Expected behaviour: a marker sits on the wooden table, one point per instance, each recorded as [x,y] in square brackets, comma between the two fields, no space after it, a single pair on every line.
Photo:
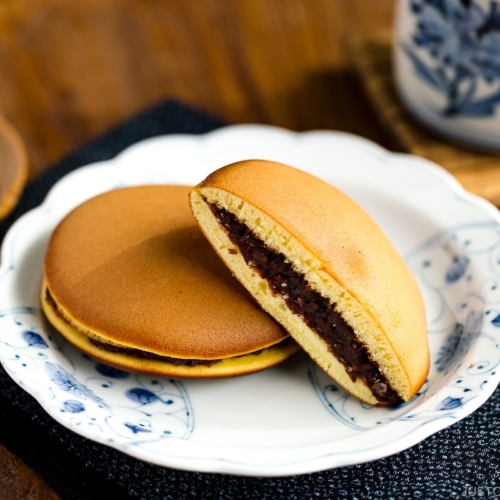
[70,70]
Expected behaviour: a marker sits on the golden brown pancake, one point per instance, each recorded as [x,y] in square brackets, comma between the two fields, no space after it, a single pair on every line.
[322,267]
[130,280]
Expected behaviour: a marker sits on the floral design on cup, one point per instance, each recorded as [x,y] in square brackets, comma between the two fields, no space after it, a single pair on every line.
[456,51]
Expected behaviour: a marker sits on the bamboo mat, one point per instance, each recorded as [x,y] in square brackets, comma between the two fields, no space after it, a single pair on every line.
[478,172]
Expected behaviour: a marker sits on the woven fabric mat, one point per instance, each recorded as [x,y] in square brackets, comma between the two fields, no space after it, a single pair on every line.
[442,467]
[478,172]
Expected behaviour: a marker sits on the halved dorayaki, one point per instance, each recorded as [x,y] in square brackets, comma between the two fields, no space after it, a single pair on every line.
[322,267]
[130,280]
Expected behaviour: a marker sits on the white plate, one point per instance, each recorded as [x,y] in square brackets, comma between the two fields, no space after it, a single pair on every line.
[292,418]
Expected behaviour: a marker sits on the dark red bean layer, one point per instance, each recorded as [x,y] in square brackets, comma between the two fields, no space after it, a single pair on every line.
[138,353]
[314,309]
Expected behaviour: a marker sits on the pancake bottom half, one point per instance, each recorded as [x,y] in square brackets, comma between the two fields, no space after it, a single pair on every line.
[130,280]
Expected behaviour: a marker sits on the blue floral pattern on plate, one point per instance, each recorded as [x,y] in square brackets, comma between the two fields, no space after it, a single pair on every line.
[446,266]
[456,50]
[292,418]
[156,406]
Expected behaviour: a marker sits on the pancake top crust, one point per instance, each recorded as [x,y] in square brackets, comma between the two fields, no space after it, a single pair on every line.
[132,267]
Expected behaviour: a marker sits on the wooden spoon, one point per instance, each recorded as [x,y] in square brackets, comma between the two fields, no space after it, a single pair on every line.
[13,167]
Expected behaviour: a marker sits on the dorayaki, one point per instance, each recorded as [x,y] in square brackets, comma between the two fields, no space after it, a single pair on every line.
[130,280]
[322,267]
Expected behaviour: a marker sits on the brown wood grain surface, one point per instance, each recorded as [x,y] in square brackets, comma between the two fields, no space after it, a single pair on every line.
[70,70]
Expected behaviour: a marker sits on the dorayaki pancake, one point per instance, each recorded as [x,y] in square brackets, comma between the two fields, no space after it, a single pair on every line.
[322,267]
[130,280]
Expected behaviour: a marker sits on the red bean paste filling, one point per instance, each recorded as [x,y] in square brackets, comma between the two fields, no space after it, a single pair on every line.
[138,353]
[314,309]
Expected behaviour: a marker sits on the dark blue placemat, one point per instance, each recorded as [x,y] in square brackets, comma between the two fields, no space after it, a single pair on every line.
[462,461]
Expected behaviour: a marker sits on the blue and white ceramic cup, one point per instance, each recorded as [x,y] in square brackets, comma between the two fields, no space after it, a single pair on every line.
[447,67]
